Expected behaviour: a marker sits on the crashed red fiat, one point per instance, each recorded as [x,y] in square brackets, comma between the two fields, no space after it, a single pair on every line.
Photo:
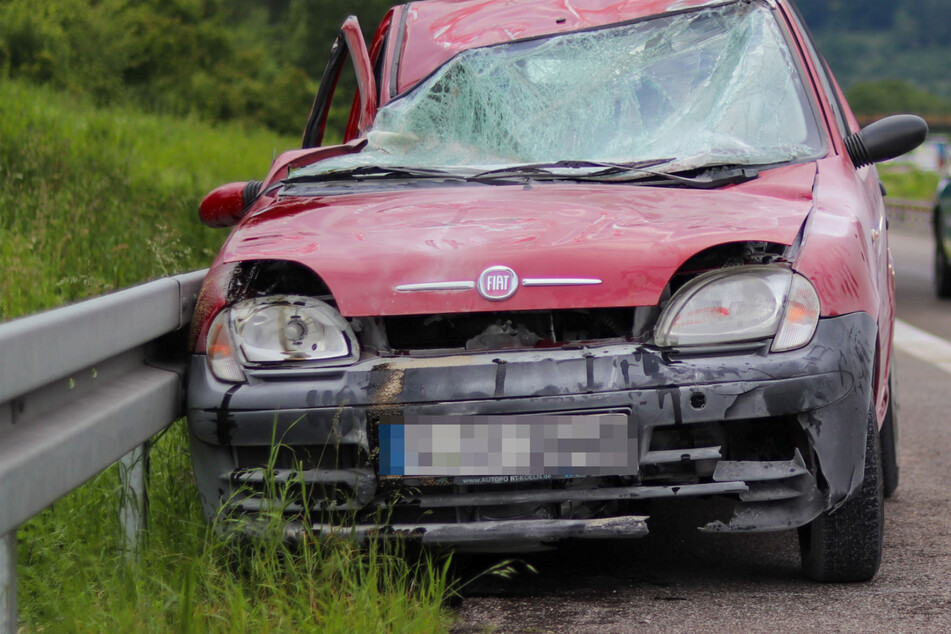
[573,260]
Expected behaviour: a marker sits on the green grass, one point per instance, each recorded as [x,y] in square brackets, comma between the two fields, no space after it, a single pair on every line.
[74,576]
[98,199]
[93,200]
[909,182]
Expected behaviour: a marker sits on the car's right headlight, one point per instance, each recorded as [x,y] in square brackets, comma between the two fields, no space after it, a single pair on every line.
[278,330]
[746,303]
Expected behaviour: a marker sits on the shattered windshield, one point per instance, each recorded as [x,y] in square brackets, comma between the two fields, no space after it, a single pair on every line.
[706,87]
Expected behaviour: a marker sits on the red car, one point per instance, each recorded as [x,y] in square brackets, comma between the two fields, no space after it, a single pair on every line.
[573,260]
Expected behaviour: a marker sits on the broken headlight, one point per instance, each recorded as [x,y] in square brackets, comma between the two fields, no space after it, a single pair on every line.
[741,304]
[276,330]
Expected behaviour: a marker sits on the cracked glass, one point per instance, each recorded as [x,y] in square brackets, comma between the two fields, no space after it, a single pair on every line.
[711,86]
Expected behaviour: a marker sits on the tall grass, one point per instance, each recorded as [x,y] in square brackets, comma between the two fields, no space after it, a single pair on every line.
[94,199]
[97,199]
[74,576]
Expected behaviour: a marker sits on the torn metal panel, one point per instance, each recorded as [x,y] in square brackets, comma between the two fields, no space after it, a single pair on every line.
[773,515]
[760,471]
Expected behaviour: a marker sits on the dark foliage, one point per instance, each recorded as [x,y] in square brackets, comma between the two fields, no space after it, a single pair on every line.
[871,41]
[246,60]
[916,23]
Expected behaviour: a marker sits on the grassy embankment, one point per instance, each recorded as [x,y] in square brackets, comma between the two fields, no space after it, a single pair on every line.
[906,182]
[98,199]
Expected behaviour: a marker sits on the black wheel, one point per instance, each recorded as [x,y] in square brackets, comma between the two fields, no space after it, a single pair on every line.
[942,270]
[942,267]
[889,441]
[846,545]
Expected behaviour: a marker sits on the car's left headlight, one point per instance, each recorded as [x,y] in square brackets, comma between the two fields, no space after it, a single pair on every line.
[746,303]
[278,329]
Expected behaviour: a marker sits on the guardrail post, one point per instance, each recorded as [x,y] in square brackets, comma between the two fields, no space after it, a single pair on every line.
[134,501]
[8,583]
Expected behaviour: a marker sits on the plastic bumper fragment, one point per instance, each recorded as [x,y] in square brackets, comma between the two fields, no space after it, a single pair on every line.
[508,531]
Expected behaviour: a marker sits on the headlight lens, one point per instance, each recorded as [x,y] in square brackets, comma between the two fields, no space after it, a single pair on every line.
[801,316]
[222,357]
[278,329]
[741,304]
[291,328]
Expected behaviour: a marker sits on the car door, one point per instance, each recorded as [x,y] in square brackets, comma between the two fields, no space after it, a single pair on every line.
[349,45]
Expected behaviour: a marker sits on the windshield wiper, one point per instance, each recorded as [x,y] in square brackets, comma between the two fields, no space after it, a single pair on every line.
[374,172]
[640,173]
[705,177]
[546,171]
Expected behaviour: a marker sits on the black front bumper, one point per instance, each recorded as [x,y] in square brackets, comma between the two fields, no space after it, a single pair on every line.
[781,435]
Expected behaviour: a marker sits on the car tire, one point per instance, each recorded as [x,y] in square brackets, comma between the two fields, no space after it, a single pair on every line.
[942,270]
[889,441]
[845,545]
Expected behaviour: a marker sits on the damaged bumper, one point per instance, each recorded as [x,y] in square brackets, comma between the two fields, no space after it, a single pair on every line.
[781,437]
[519,534]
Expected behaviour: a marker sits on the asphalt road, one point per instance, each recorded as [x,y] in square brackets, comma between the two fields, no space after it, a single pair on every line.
[678,580]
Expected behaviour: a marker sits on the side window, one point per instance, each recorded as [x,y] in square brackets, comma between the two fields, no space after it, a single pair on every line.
[357,90]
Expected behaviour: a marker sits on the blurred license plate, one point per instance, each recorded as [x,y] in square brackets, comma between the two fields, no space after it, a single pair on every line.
[517,445]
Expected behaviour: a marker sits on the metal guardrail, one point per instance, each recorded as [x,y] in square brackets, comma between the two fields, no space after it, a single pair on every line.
[910,215]
[902,206]
[82,387]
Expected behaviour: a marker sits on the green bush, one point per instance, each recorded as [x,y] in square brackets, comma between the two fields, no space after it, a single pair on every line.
[179,58]
[890,96]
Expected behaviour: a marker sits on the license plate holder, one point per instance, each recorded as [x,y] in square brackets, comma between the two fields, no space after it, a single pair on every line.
[508,447]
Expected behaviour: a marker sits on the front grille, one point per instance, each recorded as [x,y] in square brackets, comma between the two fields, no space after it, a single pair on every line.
[508,330]
[297,479]
[757,462]
[294,492]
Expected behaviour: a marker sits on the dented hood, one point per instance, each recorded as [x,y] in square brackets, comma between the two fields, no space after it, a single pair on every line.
[629,238]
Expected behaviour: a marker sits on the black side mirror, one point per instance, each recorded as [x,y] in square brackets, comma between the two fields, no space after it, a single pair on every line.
[886,139]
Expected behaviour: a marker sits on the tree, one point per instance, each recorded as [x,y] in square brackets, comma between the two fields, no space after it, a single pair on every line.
[892,96]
